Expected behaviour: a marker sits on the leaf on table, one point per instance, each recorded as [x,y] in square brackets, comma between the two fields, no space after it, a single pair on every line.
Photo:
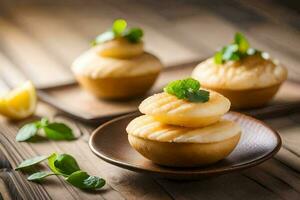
[82,180]
[27,132]
[39,176]
[58,131]
[31,162]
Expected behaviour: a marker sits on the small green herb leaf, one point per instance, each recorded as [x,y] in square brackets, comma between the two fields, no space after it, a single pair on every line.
[65,164]
[58,131]
[39,176]
[51,161]
[239,49]
[187,89]
[31,162]
[242,42]
[82,180]
[119,27]
[218,58]
[26,132]
[198,96]
[134,35]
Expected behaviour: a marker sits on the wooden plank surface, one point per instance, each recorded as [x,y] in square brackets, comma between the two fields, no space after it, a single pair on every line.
[39,40]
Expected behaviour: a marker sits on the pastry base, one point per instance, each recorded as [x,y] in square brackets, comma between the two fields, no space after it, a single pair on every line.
[250,98]
[183,154]
[118,87]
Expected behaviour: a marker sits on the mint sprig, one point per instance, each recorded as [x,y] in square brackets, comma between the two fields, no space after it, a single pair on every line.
[62,165]
[188,89]
[119,29]
[52,130]
[237,50]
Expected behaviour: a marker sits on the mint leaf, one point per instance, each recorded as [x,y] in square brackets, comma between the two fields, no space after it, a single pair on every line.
[133,35]
[198,96]
[218,58]
[51,160]
[187,89]
[175,89]
[31,162]
[239,49]
[65,164]
[82,180]
[27,132]
[242,42]
[39,176]
[229,51]
[58,131]
[119,27]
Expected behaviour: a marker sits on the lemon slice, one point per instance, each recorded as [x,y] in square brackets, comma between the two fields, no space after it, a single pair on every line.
[20,102]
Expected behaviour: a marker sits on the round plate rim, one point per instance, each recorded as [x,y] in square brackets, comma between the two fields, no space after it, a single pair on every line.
[182,172]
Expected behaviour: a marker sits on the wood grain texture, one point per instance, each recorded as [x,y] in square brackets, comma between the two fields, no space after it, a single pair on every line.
[39,39]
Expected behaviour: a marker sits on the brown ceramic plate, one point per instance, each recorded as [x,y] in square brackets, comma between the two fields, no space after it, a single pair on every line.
[258,143]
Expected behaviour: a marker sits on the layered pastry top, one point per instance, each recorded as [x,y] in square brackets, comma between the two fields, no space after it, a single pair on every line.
[238,67]
[118,52]
[184,104]
[147,127]
[167,104]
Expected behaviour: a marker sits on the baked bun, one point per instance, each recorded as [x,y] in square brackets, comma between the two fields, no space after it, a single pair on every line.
[168,109]
[117,66]
[247,79]
[182,147]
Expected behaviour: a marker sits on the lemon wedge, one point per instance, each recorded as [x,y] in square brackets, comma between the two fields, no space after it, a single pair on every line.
[20,102]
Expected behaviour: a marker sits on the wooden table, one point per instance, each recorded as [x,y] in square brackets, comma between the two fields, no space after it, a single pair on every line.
[39,40]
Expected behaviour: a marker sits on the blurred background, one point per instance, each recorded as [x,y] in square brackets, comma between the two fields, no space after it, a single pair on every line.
[39,39]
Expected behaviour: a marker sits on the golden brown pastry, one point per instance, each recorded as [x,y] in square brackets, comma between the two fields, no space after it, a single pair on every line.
[248,77]
[169,109]
[117,67]
[183,126]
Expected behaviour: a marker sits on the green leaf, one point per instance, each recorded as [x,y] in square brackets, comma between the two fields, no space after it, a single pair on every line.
[31,162]
[198,96]
[242,42]
[65,164]
[187,89]
[51,161]
[39,176]
[134,35]
[229,51]
[119,27]
[27,132]
[58,131]
[62,164]
[82,180]
[218,57]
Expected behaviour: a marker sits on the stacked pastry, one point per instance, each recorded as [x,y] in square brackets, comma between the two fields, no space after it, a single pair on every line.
[183,126]
[117,67]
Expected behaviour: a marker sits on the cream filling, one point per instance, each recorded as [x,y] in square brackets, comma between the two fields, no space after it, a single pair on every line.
[93,65]
[147,128]
[166,104]
[252,72]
